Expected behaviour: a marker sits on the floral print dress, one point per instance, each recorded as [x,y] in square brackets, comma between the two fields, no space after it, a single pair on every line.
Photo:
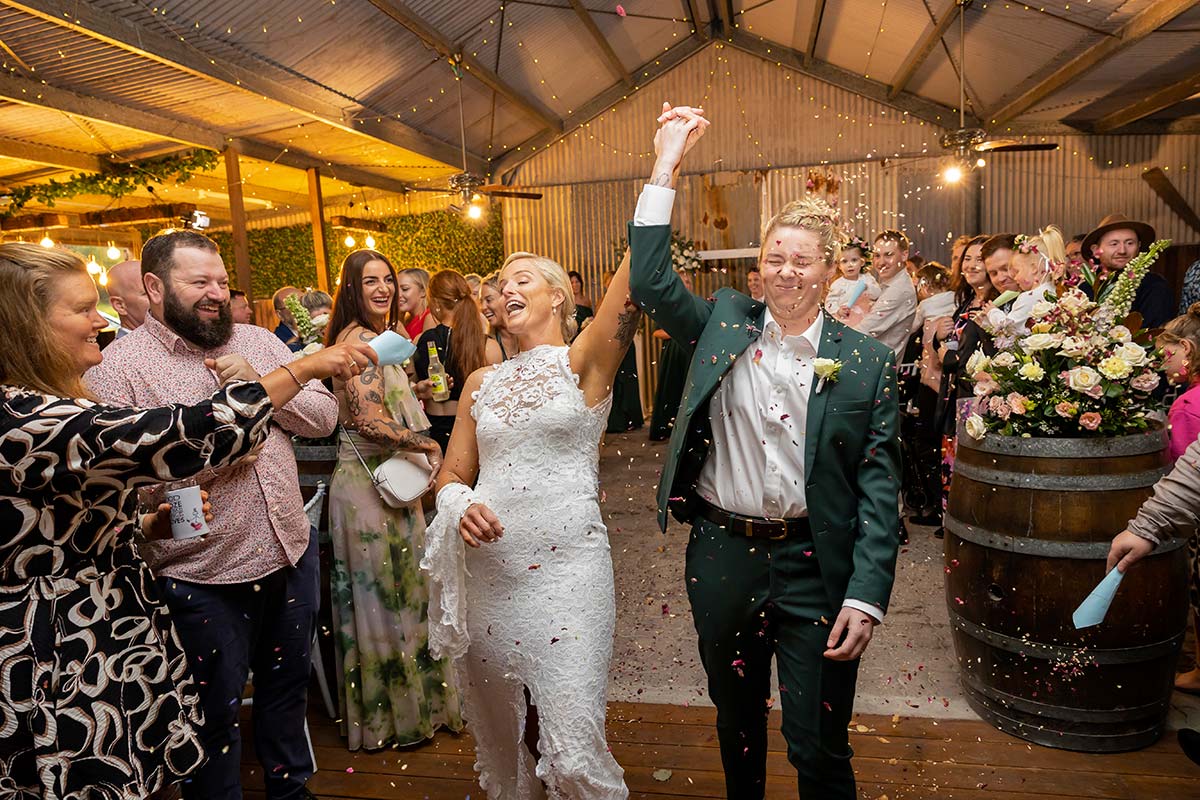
[391,691]
[96,700]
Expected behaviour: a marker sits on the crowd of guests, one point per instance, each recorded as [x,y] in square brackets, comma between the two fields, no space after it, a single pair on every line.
[218,400]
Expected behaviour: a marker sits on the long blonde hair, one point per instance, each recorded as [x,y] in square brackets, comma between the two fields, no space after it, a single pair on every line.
[556,276]
[34,359]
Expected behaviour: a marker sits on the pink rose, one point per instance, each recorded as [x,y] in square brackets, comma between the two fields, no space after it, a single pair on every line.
[999,407]
[1095,392]
[1089,420]
[985,384]
[1065,409]
[1146,382]
[1016,401]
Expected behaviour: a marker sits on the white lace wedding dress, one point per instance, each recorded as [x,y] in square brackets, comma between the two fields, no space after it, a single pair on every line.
[535,609]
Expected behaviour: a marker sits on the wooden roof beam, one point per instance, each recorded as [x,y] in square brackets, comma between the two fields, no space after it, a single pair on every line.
[1150,104]
[610,56]
[319,104]
[50,156]
[916,57]
[912,104]
[722,18]
[298,159]
[530,106]
[691,8]
[1150,19]
[814,31]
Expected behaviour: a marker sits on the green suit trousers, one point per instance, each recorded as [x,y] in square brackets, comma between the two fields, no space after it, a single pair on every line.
[757,598]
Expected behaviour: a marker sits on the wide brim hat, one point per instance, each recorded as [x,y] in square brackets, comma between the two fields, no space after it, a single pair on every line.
[1114,222]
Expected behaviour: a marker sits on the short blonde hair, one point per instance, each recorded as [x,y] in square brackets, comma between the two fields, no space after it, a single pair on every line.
[29,274]
[556,276]
[809,214]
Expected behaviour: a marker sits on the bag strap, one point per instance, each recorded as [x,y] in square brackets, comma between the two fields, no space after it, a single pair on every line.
[361,460]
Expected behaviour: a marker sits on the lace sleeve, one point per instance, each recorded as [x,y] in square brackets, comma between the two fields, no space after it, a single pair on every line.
[445,561]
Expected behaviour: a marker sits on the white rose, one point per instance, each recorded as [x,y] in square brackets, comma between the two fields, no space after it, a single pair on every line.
[1041,308]
[1038,341]
[1119,333]
[1132,352]
[1074,301]
[1074,347]
[320,320]
[1083,379]
[976,428]
[1115,368]
[1005,360]
[977,362]
[1032,372]
[309,349]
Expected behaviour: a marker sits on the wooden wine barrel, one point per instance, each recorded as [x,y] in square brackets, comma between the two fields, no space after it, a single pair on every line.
[1028,527]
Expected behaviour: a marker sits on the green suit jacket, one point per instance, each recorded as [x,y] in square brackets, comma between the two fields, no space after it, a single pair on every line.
[851,445]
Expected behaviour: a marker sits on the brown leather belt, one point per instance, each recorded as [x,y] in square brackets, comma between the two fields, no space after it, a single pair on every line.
[755,527]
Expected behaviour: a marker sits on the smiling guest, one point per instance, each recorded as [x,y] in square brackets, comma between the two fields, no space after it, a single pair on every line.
[1112,245]
[502,345]
[88,646]
[783,459]
[244,598]
[890,319]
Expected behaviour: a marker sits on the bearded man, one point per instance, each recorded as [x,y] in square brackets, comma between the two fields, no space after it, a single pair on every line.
[245,597]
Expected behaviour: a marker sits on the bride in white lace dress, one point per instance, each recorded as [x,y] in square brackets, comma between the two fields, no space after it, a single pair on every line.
[529,613]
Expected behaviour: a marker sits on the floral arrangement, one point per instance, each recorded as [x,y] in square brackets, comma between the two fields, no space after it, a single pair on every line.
[310,329]
[1076,373]
[684,254]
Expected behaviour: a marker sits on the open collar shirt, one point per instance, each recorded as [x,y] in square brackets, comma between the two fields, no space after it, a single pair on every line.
[259,524]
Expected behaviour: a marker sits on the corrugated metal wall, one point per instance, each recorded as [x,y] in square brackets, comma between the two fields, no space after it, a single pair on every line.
[1086,179]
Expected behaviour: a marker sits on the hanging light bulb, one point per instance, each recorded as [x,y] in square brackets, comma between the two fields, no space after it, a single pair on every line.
[47,242]
[981,162]
[349,240]
[953,174]
[103,279]
[93,268]
[474,211]
[370,242]
[114,252]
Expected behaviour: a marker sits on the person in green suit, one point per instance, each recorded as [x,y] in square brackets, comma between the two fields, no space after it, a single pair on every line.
[785,461]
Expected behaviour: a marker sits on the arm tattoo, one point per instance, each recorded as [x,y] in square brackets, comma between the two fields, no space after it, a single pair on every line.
[661,179]
[372,424]
[627,324]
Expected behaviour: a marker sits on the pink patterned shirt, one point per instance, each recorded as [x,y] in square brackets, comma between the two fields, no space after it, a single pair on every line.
[1183,420]
[259,524]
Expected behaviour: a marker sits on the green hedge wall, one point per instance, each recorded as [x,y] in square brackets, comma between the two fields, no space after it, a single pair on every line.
[434,240]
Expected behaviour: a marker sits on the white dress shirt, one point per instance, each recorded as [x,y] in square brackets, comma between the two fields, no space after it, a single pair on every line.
[759,414]
[890,320]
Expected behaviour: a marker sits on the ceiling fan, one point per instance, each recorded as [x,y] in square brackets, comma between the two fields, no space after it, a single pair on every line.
[967,145]
[467,185]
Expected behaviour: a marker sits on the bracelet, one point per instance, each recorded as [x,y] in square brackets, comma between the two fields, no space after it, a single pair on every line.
[288,370]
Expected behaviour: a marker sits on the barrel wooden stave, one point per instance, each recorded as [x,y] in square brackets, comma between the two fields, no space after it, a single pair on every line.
[1026,540]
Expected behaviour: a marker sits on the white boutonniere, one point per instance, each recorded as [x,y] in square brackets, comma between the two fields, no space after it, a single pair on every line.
[826,369]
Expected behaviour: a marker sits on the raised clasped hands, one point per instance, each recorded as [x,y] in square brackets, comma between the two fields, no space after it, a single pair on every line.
[479,525]
[680,127]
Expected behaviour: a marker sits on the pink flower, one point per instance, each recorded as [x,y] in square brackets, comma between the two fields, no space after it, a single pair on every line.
[1089,420]
[1016,401]
[1095,392]
[1065,409]
[985,384]
[999,407]
[1146,382]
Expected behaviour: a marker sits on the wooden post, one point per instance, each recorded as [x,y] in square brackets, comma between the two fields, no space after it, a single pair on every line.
[317,212]
[237,211]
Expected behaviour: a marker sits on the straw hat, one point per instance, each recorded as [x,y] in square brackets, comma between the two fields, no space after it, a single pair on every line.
[1115,222]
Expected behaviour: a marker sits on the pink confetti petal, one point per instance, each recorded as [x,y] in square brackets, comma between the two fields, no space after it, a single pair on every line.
[620,11]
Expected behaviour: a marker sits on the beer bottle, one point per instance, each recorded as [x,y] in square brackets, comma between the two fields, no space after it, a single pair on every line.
[437,375]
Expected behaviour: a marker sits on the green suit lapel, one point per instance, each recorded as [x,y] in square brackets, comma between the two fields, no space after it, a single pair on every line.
[719,347]
[831,348]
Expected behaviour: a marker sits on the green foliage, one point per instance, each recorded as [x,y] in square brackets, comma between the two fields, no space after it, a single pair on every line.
[434,240]
[120,180]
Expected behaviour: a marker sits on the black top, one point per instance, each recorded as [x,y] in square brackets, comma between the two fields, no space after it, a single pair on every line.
[440,336]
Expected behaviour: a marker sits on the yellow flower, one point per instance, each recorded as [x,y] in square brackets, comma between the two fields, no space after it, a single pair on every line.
[1031,371]
[1115,368]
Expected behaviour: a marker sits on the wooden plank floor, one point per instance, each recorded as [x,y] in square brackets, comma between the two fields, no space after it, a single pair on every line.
[904,758]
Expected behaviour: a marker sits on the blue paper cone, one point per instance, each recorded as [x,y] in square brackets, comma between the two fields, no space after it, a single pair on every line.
[1092,610]
[392,348]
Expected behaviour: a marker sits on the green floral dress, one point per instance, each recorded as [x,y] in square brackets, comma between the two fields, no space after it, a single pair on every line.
[390,690]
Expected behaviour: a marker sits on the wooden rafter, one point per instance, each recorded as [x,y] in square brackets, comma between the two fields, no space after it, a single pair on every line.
[814,31]
[722,17]
[692,9]
[606,51]
[1150,19]
[316,104]
[1150,104]
[531,107]
[50,156]
[593,108]
[916,57]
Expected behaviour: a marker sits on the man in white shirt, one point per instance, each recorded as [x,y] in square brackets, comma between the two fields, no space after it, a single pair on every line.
[890,319]
[784,459]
